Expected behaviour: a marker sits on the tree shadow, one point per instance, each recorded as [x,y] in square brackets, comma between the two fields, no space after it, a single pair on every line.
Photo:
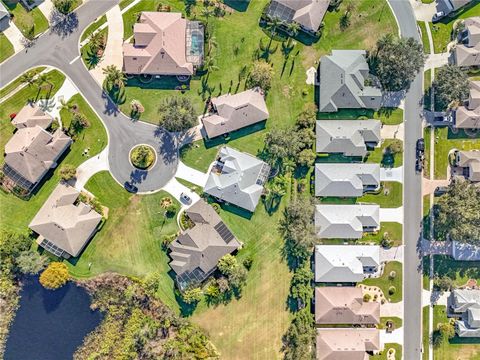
[63,25]
[92,59]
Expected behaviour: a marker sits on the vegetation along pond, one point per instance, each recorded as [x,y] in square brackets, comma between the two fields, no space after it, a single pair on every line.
[50,325]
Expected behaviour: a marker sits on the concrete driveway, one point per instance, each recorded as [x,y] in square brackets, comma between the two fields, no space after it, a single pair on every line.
[191,175]
[391,174]
[392,254]
[391,214]
[396,337]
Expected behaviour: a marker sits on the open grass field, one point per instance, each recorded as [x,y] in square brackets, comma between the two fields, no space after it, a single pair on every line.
[459,271]
[442,31]
[425,333]
[388,116]
[425,42]
[24,19]
[384,354]
[456,348]
[445,141]
[6,47]
[384,282]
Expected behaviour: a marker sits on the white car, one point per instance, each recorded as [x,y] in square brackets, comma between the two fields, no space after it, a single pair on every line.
[437,16]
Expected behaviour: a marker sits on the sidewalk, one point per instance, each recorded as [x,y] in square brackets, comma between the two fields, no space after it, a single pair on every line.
[46,7]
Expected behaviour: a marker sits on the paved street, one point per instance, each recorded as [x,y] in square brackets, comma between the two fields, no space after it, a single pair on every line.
[412,196]
[59,48]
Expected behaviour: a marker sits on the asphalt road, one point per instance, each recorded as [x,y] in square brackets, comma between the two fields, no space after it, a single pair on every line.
[59,47]
[412,197]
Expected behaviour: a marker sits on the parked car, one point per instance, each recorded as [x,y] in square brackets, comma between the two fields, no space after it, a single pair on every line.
[419,166]
[130,187]
[437,16]
[420,145]
[440,190]
[185,198]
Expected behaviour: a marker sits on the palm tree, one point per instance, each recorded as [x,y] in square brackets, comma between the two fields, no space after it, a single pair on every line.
[65,105]
[97,40]
[288,165]
[293,28]
[114,77]
[207,13]
[212,44]
[43,79]
[211,65]
[28,78]
[273,24]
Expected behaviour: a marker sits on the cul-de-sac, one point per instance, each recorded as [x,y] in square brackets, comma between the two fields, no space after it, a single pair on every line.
[240,179]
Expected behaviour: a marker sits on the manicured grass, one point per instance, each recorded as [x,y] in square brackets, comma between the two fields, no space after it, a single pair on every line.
[388,116]
[17,82]
[124,3]
[24,19]
[384,282]
[378,156]
[427,89]
[427,132]
[426,217]
[89,58]
[425,332]
[6,47]
[426,272]
[383,355]
[197,189]
[441,31]
[459,271]
[94,26]
[445,141]
[397,322]
[427,1]
[425,42]
[393,229]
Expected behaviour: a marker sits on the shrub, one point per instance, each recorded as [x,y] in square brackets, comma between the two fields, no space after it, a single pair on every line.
[248,262]
[392,275]
[68,172]
[142,156]
[392,290]
[54,276]
[367,297]
[171,210]
[193,295]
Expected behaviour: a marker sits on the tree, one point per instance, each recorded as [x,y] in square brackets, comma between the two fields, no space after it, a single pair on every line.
[443,283]
[300,288]
[78,123]
[395,147]
[63,6]
[28,78]
[261,75]
[177,114]
[43,79]
[12,244]
[396,61]
[298,342]
[272,25]
[447,330]
[306,157]
[280,144]
[54,276]
[237,278]
[210,65]
[31,262]
[458,213]
[97,41]
[114,77]
[192,295]
[136,108]
[451,86]
[293,28]
[68,172]
[227,264]
[308,117]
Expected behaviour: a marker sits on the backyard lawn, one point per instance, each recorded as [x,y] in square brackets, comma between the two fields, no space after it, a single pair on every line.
[384,354]
[24,19]
[445,141]
[459,271]
[425,332]
[441,31]
[456,348]
[384,281]
[6,47]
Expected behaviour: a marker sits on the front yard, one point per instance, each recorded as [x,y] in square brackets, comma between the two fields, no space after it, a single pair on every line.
[30,23]
[383,355]
[6,47]
[385,282]
[388,116]
[459,271]
[425,332]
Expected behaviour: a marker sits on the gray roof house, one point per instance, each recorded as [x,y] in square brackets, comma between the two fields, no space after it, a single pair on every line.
[345,263]
[196,251]
[4,17]
[347,137]
[467,116]
[346,180]
[470,162]
[465,252]
[63,223]
[467,53]
[466,304]
[237,178]
[346,221]
[306,13]
[345,82]
[448,6]
[233,112]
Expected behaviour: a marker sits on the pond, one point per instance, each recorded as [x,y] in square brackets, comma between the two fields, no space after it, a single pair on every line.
[50,325]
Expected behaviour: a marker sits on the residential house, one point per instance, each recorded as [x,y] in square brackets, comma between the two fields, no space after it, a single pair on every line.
[346,221]
[233,112]
[4,17]
[449,6]
[465,304]
[345,263]
[347,137]
[164,44]
[470,162]
[347,344]
[465,252]
[196,251]
[237,178]
[306,13]
[346,180]
[64,223]
[467,52]
[467,116]
[346,82]
[32,151]
[344,306]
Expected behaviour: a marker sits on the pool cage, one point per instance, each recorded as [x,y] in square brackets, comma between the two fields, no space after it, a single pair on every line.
[195,43]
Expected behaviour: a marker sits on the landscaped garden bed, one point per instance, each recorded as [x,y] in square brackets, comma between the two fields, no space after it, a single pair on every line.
[390,286]
[143,157]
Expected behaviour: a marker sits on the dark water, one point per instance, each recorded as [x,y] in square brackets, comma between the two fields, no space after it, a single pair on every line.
[50,325]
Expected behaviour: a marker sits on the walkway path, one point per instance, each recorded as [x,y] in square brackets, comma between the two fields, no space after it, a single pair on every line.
[90,167]
[391,215]
[113,51]
[15,36]
[391,174]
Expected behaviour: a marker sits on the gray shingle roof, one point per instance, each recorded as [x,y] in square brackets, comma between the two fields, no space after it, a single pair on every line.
[345,180]
[237,178]
[467,303]
[3,11]
[342,82]
[348,137]
[307,13]
[468,116]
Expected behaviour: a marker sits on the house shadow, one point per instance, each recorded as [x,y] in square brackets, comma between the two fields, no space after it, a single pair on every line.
[234,135]
[162,83]
[237,211]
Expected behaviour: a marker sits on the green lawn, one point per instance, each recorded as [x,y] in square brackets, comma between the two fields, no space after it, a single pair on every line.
[393,229]
[426,217]
[24,19]
[378,156]
[426,164]
[384,282]
[124,3]
[16,213]
[388,116]
[6,48]
[425,42]
[445,141]
[93,26]
[425,332]
[397,322]
[89,58]
[383,354]
[459,271]
[17,82]
[426,272]
[441,31]
[427,90]
[456,348]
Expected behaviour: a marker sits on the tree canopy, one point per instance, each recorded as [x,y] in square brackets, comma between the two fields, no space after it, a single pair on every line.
[68,172]
[177,114]
[459,213]
[396,61]
[54,276]
[261,75]
[451,86]
[298,342]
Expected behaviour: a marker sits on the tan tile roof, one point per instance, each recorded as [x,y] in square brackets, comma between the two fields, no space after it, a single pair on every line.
[31,115]
[469,54]
[344,305]
[470,159]
[233,112]
[346,344]
[63,223]
[160,46]
[468,117]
